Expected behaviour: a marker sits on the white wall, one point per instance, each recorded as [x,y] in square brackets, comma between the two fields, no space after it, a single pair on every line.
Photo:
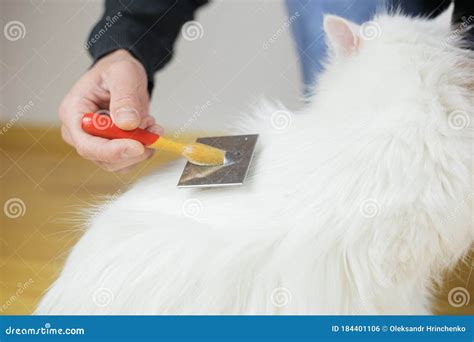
[227,66]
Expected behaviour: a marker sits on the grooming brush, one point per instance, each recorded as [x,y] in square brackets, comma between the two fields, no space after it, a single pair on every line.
[212,161]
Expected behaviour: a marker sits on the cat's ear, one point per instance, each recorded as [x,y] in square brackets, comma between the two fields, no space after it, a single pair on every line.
[343,35]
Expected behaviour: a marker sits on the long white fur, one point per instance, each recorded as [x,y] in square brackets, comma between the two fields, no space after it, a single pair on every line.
[356,207]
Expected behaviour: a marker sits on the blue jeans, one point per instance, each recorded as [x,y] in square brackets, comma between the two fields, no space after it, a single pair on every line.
[308,28]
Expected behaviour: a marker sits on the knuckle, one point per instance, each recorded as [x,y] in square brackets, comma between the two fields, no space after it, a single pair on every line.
[84,151]
[109,156]
[121,66]
[127,98]
[63,109]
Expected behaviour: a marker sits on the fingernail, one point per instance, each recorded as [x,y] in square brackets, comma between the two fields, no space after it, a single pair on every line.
[127,116]
[131,152]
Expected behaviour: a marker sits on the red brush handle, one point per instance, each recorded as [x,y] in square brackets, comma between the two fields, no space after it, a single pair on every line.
[101,125]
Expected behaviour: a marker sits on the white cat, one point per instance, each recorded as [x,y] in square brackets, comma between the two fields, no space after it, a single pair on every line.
[354,206]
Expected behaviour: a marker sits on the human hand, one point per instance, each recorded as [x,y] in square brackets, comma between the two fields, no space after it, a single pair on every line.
[116,83]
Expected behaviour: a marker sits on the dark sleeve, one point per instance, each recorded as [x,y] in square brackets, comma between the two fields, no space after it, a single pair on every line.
[463,19]
[146,28]
[463,15]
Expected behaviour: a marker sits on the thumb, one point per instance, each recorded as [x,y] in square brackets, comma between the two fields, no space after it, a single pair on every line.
[128,94]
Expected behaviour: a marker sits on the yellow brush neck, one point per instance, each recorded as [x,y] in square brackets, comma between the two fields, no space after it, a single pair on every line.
[195,153]
[168,145]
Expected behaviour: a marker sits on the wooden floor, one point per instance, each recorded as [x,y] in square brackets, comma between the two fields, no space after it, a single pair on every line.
[50,184]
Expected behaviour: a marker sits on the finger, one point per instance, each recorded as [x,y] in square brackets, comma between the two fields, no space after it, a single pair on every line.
[66,135]
[91,147]
[110,151]
[157,129]
[126,164]
[147,122]
[127,84]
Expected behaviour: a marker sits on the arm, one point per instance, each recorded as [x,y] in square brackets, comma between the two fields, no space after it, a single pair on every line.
[145,28]
[463,14]
[128,44]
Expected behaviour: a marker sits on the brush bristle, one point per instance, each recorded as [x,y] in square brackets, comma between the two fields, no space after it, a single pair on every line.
[201,154]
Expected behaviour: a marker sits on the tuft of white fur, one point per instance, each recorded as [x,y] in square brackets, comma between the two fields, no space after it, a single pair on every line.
[353,206]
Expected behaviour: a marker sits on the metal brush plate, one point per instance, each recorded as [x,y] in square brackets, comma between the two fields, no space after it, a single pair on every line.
[239,147]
